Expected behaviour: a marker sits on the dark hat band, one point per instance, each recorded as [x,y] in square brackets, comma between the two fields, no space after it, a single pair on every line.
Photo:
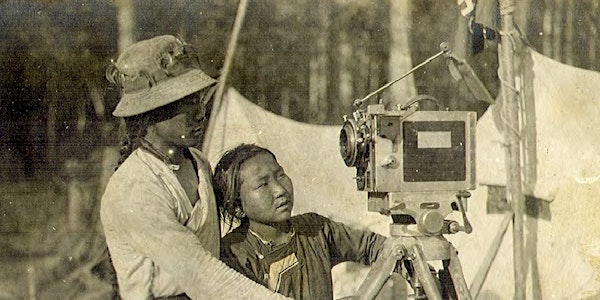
[148,80]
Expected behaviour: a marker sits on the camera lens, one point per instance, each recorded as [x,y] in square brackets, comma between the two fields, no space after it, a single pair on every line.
[348,144]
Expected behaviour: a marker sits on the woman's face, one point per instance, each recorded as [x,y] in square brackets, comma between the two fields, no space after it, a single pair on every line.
[186,128]
[266,192]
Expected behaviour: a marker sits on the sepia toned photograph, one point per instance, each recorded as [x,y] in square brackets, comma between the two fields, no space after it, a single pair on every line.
[309,149]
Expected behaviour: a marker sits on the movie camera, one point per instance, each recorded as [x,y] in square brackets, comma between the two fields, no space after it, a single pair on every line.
[417,165]
[412,162]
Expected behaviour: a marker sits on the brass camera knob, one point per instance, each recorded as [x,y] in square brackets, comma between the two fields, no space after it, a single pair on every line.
[431,222]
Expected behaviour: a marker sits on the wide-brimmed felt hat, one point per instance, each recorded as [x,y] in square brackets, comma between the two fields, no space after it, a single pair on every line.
[155,72]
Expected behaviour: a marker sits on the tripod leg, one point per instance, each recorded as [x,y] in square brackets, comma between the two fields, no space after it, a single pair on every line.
[447,286]
[380,272]
[423,273]
[460,286]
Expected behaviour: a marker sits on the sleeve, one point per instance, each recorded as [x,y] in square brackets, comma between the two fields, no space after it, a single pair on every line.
[237,260]
[352,244]
[230,259]
[153,229]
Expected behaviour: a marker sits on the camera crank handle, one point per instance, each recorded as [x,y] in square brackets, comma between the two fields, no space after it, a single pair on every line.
[467,225]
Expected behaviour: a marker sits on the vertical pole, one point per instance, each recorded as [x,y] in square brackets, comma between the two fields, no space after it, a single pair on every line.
[237,26]
[510,112]
[229,55]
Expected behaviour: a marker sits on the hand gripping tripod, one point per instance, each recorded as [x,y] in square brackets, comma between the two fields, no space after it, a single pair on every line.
[411,246]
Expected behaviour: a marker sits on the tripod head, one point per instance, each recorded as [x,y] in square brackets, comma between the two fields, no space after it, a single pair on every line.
[419,223]
[422,214]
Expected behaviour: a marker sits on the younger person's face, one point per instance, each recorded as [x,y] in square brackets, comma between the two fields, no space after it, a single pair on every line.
[266,192]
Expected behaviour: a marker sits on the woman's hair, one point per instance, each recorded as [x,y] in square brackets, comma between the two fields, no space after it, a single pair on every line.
[131,131]
[134,128]
[226,182]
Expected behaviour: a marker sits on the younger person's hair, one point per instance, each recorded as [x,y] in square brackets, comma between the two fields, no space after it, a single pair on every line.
[226,182]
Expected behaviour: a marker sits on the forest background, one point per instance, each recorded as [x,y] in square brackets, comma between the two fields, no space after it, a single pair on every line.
[307,60]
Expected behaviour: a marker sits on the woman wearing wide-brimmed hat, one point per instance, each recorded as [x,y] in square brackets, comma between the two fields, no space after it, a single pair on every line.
[158,210]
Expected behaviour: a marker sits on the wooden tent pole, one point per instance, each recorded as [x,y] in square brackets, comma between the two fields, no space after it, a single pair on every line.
[510,111]
[237,26]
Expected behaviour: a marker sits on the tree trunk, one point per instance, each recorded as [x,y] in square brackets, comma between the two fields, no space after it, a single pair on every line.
[593,34]
[400,54]
[522,15]
[557,30]
[51,123]
[313,89]
[126,22]
[181,28]
[286,100]
[547,27]
[110,153]
[345,90]
[319,67]
[569,32]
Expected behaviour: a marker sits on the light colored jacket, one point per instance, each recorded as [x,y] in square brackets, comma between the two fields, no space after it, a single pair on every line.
[160,244]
